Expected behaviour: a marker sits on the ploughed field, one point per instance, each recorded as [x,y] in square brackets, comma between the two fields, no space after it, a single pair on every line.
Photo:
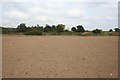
[59,56]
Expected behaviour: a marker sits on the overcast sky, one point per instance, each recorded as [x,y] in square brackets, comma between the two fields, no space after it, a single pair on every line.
[92,15]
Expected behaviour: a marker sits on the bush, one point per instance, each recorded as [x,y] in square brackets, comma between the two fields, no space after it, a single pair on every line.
[110,30]
[97,31]
[73,29]
[9,31]
[33,32]
[80,28]
[117,30]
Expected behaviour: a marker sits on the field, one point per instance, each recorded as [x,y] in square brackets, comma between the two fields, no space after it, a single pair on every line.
[60,56]
[0,56]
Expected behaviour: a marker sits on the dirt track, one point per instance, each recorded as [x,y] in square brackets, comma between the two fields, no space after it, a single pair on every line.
[60,56]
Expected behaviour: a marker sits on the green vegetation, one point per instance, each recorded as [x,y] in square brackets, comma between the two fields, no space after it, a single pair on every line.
[110,30]
[97,31]
[58,30]
[117,30]
[21,28]
[79,28]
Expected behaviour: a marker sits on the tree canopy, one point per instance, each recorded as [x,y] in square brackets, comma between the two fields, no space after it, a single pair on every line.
[60,27]
[79,28]
[21,28]
[55,30]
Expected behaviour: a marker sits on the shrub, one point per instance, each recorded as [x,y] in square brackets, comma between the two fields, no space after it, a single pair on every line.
[97,31]
[110,30]
[117,30]
[80,28]
[33,32]
[73,29]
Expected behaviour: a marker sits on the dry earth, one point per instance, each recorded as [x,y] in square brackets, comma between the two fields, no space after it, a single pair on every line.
[60,56]
[0,56]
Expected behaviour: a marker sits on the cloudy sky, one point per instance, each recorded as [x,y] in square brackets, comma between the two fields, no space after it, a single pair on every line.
[92,14]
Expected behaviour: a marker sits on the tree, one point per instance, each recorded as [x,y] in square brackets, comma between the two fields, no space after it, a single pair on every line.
[47,28]
[97,31]
[38,25]
[60,27]
[110,30]
[80,28]
[37,28]
[34,30]
[53,28]
[21,28]
[73,29]
[117,29]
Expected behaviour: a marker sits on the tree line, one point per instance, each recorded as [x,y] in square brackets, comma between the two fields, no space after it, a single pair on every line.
[54,29]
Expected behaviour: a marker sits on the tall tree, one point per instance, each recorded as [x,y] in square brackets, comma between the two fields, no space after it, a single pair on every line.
[47,28]
[73,29]
[80,28]
[21,28]
[60,27]
[53,28]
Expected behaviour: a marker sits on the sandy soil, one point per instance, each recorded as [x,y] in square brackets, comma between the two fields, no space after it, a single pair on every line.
[0,56]
[60,56]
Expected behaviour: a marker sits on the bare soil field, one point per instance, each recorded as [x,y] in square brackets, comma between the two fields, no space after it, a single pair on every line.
[59,57]
[0,56]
